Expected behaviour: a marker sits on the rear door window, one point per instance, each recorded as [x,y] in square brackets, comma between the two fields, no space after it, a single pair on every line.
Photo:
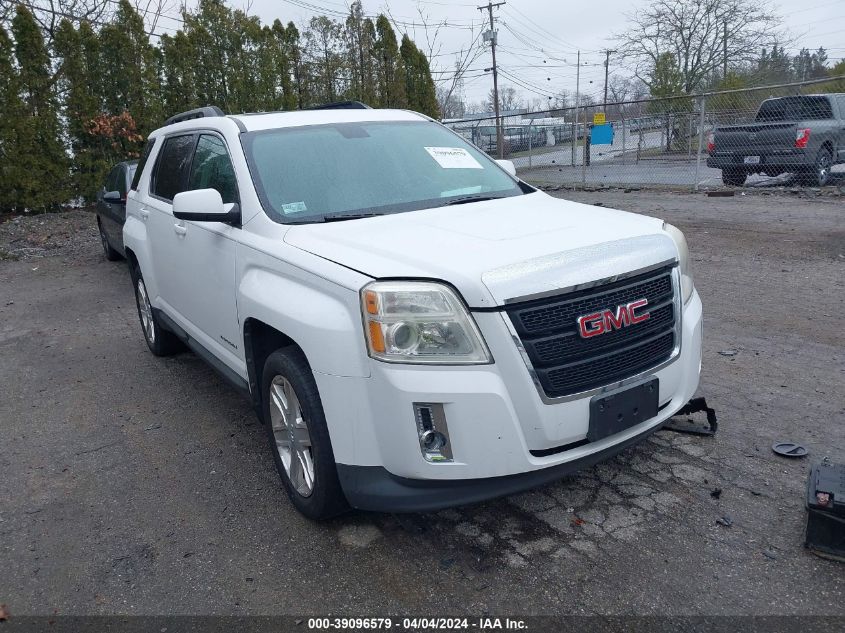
[169,175]
[212,168]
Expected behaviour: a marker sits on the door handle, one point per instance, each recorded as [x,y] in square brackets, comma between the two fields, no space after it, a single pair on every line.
[180,229]
[145,213]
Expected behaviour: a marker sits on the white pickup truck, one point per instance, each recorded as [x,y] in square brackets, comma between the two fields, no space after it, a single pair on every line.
[416,326]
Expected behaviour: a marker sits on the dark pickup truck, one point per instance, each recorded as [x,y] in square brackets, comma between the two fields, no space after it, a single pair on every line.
[804,135]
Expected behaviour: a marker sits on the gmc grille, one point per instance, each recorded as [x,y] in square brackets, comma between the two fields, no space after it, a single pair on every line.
[565,363]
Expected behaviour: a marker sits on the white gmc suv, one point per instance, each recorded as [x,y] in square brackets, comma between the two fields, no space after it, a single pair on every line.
[417,327]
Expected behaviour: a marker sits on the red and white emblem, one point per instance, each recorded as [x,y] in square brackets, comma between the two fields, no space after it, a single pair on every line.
[590,325]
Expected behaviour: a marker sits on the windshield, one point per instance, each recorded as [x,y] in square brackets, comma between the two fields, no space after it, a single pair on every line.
[795,109]
[309,174]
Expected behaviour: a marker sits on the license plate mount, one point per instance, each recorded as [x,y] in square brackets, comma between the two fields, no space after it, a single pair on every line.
[752,160]
[614,412]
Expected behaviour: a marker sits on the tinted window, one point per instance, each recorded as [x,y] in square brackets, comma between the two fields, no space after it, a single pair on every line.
[170,169]
[144,156]
[305,173]
[795,109]
[113,179]
[212,168]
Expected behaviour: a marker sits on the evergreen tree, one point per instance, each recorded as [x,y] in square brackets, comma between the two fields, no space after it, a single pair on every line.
[129,77]
[360,38]
[81,105]
[390,80]
[283,67]
[293,52]
[419,86]
[206,29]
[39,162]
[10,121]
[323,39]
[178,74]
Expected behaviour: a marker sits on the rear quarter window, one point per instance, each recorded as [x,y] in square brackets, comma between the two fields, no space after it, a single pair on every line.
[140,169]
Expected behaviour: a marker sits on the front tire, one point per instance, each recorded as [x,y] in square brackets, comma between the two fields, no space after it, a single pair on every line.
[733,178]
[160,341]
[299,437]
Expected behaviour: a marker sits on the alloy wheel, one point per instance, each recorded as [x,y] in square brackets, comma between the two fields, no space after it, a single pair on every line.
[145,310]
[293,440]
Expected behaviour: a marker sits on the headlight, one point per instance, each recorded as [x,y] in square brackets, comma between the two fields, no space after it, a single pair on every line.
[683,260]
[419,322]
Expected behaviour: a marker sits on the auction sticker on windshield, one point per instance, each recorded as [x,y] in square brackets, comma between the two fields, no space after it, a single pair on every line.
[453,158]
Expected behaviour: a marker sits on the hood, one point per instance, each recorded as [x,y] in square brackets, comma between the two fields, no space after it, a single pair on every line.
[497,250]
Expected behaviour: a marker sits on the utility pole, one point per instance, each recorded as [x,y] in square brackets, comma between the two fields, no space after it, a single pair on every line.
[607,53]
[725,50]
[577,105]
[499,140]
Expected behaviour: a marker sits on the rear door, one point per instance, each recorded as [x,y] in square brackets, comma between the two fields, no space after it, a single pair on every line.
[168,179]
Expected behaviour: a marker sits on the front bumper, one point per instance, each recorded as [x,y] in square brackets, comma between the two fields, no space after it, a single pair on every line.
[504,437]
[375,488]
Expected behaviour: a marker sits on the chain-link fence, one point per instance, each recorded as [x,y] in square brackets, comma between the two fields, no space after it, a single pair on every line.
[767,135]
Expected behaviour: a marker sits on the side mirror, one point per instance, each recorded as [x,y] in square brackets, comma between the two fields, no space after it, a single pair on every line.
[112,196]
[508,166]
[204,205]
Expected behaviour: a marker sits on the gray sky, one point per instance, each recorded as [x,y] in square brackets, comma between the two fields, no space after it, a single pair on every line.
[531,31]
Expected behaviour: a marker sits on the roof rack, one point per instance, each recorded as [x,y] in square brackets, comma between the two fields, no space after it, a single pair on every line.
[197,113]
[340,105]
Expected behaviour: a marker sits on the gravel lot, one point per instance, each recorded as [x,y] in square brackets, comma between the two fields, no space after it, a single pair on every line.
[131,484]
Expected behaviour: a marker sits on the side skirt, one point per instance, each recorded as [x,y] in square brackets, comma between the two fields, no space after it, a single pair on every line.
[197,348]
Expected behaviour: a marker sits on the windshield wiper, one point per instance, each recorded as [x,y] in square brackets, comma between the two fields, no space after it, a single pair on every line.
[466,199]
[338,217]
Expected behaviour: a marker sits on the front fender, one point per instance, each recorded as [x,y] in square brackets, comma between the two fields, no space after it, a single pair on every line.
[323,318]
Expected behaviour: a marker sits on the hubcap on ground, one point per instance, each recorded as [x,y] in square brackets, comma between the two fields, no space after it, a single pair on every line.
[146,312]
[290,430]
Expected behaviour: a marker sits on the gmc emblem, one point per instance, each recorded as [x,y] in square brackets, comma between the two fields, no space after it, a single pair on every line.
[597,323]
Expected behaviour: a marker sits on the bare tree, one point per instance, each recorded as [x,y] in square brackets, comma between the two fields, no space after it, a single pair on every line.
[449,85]
[703,36]
[49,13]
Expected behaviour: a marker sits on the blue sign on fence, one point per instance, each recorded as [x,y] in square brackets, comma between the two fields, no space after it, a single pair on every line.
[602,134]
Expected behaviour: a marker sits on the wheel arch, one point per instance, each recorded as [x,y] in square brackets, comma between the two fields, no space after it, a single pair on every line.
[261,340]
[827,145]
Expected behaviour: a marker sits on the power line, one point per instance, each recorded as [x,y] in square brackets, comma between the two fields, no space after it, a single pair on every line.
[536,28]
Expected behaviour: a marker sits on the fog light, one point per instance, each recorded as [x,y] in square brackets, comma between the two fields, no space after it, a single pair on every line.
[433,432]
[433,440]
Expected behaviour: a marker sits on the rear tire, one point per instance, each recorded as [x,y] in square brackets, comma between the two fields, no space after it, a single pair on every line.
[161,342]
[111,254]
[819,175]
[299,437]
[733,178]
